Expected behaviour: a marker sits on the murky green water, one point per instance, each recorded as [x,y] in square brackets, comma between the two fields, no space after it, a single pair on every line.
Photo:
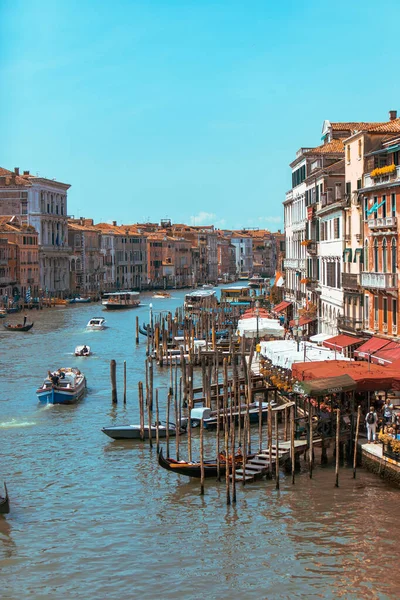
[92,518]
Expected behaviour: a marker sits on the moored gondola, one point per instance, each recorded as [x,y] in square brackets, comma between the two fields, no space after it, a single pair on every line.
[4,502]
[193,469]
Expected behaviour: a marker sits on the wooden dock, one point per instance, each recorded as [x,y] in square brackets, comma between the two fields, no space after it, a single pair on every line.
[259,465]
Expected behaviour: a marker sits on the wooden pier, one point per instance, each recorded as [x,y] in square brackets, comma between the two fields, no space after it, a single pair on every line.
[260,464]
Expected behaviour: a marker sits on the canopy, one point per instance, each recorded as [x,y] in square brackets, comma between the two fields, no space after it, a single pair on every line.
[284,353]
[302,321]
[370,347]
[281,306]
[339,342]
[319,338]
[252,326]
[387,355]
[326,386]
[369,377]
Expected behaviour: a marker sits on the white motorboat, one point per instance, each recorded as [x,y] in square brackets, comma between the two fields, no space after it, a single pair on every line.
[132,432]
[121,300]
[96,323]
[82,350]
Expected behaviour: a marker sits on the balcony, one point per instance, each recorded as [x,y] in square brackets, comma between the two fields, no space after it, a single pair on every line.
[382,180]
[291,263]
[350,281]
[379,281]
[383,223]
[5,281]
[30,280]
[350,324]
[312,285]
[312,249]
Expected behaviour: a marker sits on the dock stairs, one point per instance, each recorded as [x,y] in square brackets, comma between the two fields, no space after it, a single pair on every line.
[258,466]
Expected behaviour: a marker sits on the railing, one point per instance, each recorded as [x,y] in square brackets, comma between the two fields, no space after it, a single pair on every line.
[5,280]
[350,281]
[350,324]
[382,179]
[291,263]
[382,222]
[51,248]
[379,280]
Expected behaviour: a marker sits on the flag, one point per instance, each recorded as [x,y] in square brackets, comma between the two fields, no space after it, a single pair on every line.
[28,295]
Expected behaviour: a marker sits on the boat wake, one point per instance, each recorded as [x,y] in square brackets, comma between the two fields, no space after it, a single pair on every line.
[14,423]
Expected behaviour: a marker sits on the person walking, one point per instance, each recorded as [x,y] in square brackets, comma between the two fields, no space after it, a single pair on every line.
[371,421]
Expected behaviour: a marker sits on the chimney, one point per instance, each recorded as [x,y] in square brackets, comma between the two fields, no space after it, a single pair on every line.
[16,170]
[392,115]
[115,223]
[26,172]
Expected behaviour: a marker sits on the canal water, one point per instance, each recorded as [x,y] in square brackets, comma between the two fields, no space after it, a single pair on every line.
[93,518]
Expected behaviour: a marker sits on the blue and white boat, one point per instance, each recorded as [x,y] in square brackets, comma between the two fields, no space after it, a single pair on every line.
[65,386]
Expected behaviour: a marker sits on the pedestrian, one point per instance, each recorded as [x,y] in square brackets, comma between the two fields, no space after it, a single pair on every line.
[387,412]
[371,421]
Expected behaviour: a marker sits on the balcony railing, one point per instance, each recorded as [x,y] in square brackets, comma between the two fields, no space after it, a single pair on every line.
[350,281]
[350,324]
[380,281]
[382,179]
[5,281]
[382,222]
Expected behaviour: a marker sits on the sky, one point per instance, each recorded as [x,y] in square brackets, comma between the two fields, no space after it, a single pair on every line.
[189,110]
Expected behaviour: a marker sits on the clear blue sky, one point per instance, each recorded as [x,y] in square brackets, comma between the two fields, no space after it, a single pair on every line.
[191,109]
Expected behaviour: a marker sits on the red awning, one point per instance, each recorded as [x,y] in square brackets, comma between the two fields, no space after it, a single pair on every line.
[339,342]
[370,347]
[387,355]
[281,306]
[369,377]
[302,321]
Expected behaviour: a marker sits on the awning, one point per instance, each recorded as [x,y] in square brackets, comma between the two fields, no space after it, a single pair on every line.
[326,386]
[393,148]
[302,321]
[281,306]
[387,355]
[339,342]
[370,347]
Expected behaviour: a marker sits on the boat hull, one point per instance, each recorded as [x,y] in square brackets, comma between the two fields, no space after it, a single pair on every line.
[132,432]
[4,502]
[194,469]
[57,396]
[115,306]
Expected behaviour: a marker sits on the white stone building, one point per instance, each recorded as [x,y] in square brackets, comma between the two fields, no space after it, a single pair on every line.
[243,244]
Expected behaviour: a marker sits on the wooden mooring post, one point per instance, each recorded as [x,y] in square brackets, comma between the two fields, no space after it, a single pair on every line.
[137,330]
[113,375]
[356,442]
[124,381]
[337,447]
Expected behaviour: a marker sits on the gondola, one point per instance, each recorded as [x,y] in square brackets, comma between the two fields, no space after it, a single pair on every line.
[193,469]
[18,327]
[4,502]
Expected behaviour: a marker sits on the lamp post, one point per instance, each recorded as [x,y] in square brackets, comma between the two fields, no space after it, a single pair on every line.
[296,322]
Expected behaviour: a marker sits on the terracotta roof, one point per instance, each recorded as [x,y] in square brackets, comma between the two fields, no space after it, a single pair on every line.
[360,126]
[389,127]
[18,179]
[335,146]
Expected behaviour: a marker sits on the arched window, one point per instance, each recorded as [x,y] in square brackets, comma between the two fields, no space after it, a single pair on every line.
[366,258]
[384,256]
[394,256]
[359,148]
[376,256]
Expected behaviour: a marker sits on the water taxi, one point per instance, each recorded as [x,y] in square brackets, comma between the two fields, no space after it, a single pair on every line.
[195,301]
[237,294]
[121,300]
[256,282]
[65,386]
[96,323]
[161,295]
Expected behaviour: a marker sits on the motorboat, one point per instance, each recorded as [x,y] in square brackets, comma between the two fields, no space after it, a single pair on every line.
[82,351]
[96,323]
[65,386]
[256,281]
[4,502]
[208,286]
[210,418]
[161,295]
[132,432]
[3,313]
[80,300]
[121,300]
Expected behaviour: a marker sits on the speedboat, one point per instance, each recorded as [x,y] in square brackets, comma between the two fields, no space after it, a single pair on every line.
[82,351]
[65,386]
[208,286]
[132,432]
[161,295]
[80,300]
[96,323]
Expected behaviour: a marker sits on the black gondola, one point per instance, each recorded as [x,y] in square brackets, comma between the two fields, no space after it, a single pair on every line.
[18,327]
[4,502]
[193,469]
